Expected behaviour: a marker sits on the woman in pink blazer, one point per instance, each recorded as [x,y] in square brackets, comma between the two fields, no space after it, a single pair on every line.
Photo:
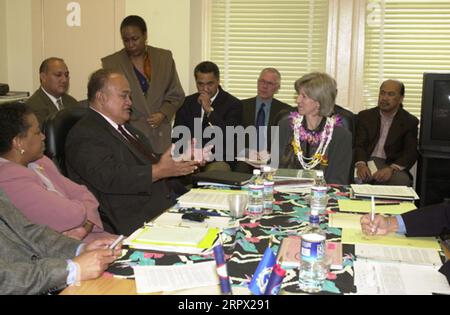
[34,184]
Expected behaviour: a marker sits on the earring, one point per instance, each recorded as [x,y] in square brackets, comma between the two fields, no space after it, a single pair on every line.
[22,151]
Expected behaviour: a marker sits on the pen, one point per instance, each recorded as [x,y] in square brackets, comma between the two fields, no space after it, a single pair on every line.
[387,203]
[116,242]
[372,212]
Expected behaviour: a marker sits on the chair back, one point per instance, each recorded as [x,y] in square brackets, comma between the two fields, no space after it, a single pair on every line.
[55,129]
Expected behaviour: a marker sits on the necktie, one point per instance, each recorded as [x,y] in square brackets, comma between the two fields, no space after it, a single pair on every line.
[59,102]
[138,145]
[260,122]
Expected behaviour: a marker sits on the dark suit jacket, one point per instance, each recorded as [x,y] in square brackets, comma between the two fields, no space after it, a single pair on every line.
[43,106]
[227,112]
[32,257]
[432,220]
[401,142]
[165,93]
[277,111]
[98,156]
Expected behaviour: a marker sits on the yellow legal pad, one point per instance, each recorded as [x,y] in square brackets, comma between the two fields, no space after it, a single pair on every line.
[344,220]
[197,237]
[364,206]
[355,236]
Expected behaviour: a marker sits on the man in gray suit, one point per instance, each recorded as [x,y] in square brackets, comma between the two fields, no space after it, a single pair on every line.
[52,95]
[37,260]
[263,111]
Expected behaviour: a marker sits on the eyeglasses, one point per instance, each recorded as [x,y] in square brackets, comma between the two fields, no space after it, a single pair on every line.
[268,83]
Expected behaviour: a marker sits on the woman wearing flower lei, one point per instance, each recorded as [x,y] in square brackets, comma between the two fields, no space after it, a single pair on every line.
[314,138]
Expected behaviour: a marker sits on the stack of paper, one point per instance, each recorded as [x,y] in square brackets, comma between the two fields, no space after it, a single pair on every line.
[363,206]
[374,277]
[385,192]
[190,240]
[416,256]
[207,198]
[286,173]
[151,279]
[175,219]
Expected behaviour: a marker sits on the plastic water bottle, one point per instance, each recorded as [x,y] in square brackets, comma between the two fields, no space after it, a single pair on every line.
[313,266]
[255,207]
[268,189]
[319,196]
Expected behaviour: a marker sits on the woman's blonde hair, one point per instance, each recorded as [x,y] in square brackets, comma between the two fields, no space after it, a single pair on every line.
[320,87]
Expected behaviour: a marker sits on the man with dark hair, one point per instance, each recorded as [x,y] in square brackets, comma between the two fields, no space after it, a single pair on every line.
[386,135]
[116,161]
[213,109]
[52,95]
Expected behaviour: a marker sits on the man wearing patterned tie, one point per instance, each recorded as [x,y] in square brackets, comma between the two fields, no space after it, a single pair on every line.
[52,95]
[263,111]
[213,109]
[116,161]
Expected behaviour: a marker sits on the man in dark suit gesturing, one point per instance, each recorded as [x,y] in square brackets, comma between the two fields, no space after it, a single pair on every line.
[116,162]
[387,134]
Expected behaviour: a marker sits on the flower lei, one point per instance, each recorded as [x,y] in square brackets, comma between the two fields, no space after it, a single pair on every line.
[322,138]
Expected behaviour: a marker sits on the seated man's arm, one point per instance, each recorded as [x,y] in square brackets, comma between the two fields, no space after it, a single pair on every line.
[43,276]
[409,152]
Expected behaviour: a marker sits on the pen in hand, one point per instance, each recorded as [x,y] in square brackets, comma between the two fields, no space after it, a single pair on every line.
[372,213]
[116,242]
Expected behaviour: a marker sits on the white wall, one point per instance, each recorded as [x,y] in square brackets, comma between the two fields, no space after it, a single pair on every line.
[3,48]
[168,23]
[18,45]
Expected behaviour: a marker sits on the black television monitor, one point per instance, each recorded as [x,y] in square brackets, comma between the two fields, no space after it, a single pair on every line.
[435,117]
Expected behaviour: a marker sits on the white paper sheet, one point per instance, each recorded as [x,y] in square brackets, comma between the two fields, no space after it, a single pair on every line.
[373,277]
[151,279]
[418,256]
[207,198]
[397,192]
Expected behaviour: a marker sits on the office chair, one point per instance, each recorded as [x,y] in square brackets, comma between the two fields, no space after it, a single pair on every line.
[55,129]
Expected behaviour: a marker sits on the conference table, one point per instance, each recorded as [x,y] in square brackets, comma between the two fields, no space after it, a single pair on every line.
[244,249]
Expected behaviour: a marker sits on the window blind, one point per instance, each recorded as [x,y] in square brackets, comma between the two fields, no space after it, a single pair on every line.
[249,35]
[404,39]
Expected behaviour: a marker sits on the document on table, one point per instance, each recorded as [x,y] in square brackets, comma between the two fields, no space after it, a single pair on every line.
[356,236]
[175,219]
[151,279]
[384,191]
[417,256]
[363,206]
[372,277]
[344,220]
[207,198]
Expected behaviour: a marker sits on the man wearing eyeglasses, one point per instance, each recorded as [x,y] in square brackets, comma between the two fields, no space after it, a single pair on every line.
[263,111]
